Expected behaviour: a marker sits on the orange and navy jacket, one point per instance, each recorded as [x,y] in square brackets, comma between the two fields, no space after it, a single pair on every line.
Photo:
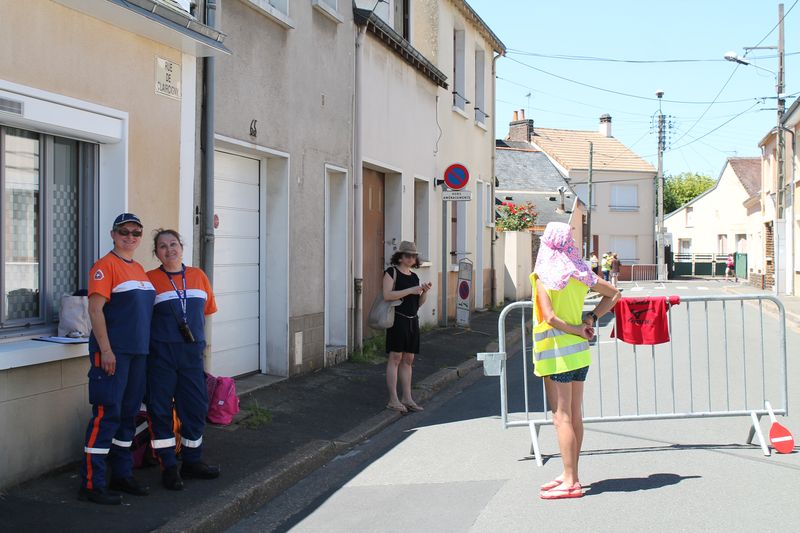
[129,307]
[167,311]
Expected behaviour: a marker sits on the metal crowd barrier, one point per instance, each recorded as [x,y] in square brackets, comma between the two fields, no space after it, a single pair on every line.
[641,272]
[716,366]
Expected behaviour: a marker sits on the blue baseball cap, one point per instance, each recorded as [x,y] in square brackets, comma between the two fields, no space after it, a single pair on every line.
[124,218]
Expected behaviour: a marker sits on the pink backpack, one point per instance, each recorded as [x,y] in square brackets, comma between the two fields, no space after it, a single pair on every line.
[223,403]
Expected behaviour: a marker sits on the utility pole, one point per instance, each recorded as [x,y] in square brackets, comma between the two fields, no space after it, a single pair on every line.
[589,209]
[660,192]
[779,87]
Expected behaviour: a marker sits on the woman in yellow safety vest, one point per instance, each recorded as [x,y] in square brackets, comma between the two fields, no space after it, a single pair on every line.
[561,355]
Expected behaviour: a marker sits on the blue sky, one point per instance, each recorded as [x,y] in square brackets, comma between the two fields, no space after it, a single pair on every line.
[646,30]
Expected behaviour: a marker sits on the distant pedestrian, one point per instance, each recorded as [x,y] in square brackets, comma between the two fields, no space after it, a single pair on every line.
[594,262]
[605,266]
[730,265]
[561,354]
[402,339]
[615,266]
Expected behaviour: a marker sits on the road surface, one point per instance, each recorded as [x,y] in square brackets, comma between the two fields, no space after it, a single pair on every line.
[454,468]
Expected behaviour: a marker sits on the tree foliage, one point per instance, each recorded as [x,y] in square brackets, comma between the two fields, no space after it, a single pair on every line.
[684,187]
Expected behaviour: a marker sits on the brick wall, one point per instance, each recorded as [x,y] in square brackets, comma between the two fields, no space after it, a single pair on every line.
[769,250]
[756,280]
[520,130]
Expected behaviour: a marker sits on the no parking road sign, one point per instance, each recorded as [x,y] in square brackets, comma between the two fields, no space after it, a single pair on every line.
[456,176]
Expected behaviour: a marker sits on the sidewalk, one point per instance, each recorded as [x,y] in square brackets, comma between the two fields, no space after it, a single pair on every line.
[296,426]
[790,303]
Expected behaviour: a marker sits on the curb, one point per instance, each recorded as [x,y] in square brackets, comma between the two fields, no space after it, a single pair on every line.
[792,319]
[250,493]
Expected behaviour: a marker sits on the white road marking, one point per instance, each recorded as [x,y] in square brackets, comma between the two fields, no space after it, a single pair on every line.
[702,288]
[636,289]
[682,288]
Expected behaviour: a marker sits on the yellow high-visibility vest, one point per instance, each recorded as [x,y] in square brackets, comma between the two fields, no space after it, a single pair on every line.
[555,351]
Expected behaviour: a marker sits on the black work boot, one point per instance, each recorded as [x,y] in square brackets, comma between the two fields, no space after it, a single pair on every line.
[129,485]
[100,496]
[199,471]
[171,479]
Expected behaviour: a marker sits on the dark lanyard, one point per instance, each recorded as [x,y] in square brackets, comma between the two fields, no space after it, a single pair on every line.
[182,297]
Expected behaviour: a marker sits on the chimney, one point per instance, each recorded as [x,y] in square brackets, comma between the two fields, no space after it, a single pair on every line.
[605,125]
[520,129]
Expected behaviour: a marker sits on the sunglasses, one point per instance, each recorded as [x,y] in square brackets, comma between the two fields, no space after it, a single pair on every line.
[125,232]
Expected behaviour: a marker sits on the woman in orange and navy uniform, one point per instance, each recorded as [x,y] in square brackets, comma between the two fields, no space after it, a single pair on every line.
[120,307]
[175,365]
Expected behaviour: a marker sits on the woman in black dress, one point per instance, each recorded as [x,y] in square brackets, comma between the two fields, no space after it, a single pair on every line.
[402,339]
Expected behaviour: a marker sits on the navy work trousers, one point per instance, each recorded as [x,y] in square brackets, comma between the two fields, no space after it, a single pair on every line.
[115,401]
[175,377]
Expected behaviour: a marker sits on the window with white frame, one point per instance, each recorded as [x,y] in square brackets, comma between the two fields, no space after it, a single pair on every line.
[280,5]
[47,218]
[329,8]
[625,247]
[402,18]
[582,190]
[689,217]
[459,99]
[480,93]
[741,243]
[722,244]
[489,208]
[422,218]
[685,246]
[624,197]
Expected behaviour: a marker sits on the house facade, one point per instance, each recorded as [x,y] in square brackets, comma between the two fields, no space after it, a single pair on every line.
[623,207]
[292,175]
[424,88]
[726,218]
[283,141]
[780,227]
[791,122]
[85,133]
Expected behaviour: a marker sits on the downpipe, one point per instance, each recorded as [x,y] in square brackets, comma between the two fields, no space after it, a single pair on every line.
[207,147]
[358,201]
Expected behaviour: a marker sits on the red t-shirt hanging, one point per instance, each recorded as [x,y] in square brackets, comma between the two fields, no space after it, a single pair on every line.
[643,320]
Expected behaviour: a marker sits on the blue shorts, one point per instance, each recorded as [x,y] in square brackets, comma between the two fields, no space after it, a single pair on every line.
[571,375]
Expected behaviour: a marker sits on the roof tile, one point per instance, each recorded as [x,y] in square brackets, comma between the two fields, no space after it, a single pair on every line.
[571,149]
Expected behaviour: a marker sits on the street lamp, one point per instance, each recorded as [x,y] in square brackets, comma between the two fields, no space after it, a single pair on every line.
[734,58]
[779,224]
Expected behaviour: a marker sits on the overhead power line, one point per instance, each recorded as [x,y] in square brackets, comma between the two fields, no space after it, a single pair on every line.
[719,93]
[567,57]
[706,134]
[775,27]
[629,95]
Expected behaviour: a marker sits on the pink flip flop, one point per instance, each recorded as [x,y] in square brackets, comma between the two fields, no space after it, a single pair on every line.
[550,484]
[575,491]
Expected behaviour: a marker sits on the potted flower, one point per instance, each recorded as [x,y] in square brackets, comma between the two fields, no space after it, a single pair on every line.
[516,217]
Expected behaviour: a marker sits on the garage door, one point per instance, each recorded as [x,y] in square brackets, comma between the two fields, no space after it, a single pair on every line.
[236,265]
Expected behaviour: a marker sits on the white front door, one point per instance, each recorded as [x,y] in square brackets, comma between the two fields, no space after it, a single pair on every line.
[236,338]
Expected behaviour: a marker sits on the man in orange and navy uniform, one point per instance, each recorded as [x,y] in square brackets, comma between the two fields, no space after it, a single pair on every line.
[120,308]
